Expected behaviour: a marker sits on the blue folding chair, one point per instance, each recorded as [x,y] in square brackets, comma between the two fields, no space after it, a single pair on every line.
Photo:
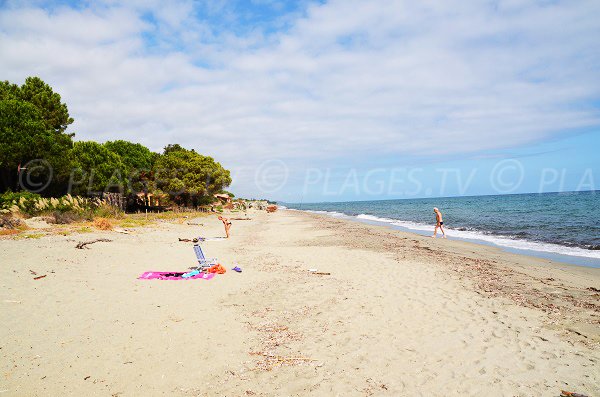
[202,260]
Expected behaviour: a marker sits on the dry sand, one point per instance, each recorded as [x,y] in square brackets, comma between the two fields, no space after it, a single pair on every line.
[398,315]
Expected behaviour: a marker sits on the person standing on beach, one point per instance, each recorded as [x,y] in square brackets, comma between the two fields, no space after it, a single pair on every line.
[439,222]
[226,223]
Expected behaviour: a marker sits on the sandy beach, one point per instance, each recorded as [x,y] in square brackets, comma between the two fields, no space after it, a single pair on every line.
[390,314]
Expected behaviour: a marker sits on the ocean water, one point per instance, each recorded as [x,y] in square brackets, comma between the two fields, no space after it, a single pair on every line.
[563,224]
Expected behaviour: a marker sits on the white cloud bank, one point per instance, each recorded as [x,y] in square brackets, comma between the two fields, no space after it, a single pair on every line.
[344,79]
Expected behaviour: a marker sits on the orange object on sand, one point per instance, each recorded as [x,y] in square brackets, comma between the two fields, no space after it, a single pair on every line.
[218,268]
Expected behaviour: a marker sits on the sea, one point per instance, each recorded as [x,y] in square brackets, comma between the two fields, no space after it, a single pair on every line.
[563,226]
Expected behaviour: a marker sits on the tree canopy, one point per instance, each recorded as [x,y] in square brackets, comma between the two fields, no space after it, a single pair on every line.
[135,156]
[24,137]
[36,92]
[97,169]
[33,124]
[187,175]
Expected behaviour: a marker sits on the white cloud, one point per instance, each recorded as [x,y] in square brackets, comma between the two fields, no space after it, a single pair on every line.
[346,78]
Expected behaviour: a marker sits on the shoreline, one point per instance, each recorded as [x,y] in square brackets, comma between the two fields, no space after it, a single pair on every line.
[393,314]
[464,246]
[474,250]
[578,258]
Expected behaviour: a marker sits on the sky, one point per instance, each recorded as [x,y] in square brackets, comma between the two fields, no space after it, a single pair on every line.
[331,100]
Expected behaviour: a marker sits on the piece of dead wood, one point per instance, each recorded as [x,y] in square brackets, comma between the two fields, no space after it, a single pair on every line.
[576,332]
[195,224]
[322,273]
[122,231]
[241,219]
[82,244]
[38,277]
[570,394]
[271,360]
[187,240]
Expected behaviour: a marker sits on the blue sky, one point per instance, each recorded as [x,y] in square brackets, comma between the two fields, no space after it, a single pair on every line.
[331,100]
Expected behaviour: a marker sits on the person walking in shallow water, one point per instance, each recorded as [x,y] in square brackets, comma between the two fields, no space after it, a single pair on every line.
[439,223]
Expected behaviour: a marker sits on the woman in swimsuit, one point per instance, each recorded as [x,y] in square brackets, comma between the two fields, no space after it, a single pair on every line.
[226,223]
[438,222]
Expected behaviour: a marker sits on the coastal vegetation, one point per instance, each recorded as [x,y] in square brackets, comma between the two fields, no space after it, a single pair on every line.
[43,168]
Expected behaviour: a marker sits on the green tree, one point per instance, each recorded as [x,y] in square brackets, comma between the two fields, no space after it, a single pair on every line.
[33,124]
[138,161]
[189,177]
[35,91]
[96,169]
[25,137]
[174,147]
[9,91]
[134,155]
[33,121]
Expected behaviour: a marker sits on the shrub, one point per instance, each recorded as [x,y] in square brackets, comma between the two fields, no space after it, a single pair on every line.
[66,217]
[108,211]
[10,222]
[74,208]
[18,201]
[102,224]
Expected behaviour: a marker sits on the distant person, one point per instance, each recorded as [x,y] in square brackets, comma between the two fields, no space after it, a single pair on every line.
[226,223]
[439,222]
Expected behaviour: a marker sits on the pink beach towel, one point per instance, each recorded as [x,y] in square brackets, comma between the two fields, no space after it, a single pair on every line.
[160,276]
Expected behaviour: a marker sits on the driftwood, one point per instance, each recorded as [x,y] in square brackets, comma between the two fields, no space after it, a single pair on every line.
[322,273]
[195,224]
[82,244]
[571,394]
[241,219]
[271,361]
[38,277]
[122,231]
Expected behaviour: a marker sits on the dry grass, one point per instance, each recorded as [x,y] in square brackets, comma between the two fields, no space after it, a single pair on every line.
[102,224]
[109,222]
[142,219]
[34,235]
[176,215]
[12,221]
[134,221]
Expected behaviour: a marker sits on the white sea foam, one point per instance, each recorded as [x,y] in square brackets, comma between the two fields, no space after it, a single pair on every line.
[505,241]
[405,224]
[330,213]
[375,218]
[501,241]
